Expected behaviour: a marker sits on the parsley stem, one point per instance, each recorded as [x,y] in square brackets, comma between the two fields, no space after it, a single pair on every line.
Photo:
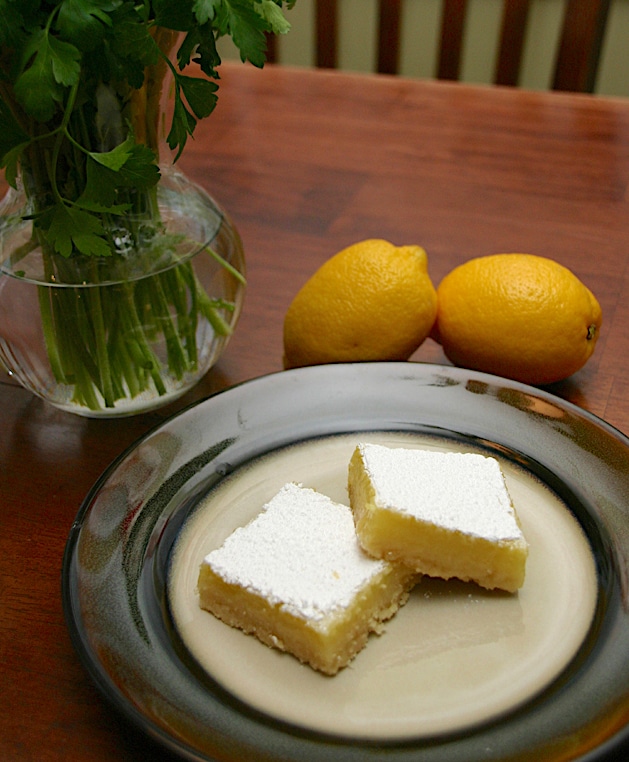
[61,134]
[224,263]
[48,323]
[136,342]
[100,337]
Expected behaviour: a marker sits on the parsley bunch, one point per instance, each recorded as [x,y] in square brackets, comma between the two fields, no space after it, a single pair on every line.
[81,96]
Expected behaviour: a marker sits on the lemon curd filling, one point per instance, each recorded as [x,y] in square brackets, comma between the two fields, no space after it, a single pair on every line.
[297,578]
[442,514]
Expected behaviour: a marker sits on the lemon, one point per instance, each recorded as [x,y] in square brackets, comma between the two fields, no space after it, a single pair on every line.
[371,301]
[520,316]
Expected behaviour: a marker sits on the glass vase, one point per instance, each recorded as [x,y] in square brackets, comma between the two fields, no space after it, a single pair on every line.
[121,334]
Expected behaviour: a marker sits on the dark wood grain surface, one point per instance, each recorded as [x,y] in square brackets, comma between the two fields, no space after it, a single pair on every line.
[307,162]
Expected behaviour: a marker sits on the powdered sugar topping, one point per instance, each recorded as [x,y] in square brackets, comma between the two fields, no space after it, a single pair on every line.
[301,553]
[457,491]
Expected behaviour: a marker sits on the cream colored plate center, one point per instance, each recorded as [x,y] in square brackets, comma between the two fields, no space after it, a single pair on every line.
[454,656]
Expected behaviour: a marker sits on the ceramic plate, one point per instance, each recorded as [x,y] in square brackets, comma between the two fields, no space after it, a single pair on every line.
[459,674]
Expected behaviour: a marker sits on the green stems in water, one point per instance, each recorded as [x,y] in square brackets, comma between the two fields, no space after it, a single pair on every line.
[101,339]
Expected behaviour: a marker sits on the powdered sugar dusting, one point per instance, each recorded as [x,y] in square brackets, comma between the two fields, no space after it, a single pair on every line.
[300,552]
[457,491]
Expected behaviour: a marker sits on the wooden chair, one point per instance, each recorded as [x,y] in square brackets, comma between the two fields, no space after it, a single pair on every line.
[577,57]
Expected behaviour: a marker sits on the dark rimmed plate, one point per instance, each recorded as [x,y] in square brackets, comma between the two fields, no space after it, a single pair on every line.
[118,554]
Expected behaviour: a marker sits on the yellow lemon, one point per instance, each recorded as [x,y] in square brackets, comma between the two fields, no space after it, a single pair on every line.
[371,301]
[517,315]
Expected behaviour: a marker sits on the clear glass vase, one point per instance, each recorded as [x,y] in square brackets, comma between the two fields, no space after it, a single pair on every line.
[121,334]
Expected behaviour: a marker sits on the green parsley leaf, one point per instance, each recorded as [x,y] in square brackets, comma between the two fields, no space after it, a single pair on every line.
[70,227]
[127,49]
[201,97]
[272,13]
[16,16]
[84,22]
[205,10]
[115,158]
[100,184]
[65,60]
[200,43]
[200,94]
[54,65]
[183,124]
[36,89]
[174,14]
[130,165]
[140,169]
[247,30]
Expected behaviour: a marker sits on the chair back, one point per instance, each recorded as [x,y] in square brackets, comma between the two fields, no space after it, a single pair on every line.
[576,61]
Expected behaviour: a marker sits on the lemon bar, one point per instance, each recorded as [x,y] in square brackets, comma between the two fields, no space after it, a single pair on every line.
[297,578]
[444,514]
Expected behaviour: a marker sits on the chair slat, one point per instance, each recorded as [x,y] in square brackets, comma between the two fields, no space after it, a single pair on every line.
[513,31]
[451,41]
[271,48]
[326,23]
[389,36]
[580,45]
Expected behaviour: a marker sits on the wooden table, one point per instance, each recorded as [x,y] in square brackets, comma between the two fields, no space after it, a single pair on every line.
[306,163]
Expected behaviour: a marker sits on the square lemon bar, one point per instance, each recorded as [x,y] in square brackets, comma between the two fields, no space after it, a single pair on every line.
[297,578]
[444,514]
